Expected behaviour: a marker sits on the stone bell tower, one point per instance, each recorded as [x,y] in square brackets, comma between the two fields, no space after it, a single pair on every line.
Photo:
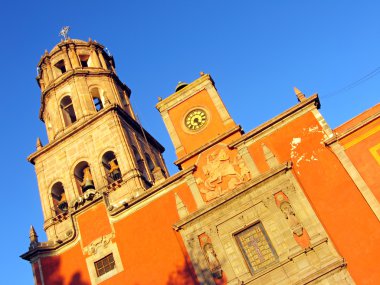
[96,146]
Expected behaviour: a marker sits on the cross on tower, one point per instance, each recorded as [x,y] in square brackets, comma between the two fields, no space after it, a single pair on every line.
[64,31]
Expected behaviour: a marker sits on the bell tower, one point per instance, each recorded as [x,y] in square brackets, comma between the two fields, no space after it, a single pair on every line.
[96,148]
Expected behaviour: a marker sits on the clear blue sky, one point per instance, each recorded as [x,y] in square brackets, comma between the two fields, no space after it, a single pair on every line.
[256,52]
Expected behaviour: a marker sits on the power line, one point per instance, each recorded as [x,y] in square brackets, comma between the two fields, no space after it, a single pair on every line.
[360,81]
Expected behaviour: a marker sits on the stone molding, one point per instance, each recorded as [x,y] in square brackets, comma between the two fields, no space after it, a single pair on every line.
[112,107]
[208,145]
[231,195]
[312,101]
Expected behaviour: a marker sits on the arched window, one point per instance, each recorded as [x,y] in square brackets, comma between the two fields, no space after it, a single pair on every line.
[59,198]
[139,160]
[83,177]
[96,98]
[111,167]
[149,162]
[68,112]
[85,60]
[60,67]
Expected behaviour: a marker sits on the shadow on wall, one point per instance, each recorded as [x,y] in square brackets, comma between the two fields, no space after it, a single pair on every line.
[52,274]
[184,275]
[76,279]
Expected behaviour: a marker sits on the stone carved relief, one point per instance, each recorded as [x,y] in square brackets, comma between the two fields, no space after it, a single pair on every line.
[221,174]
[89,195]
[299,232]
[210,255]
[100,243]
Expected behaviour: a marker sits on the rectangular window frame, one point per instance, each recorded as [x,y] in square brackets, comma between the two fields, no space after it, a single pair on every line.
[243,251]
[99,254]
[105,265]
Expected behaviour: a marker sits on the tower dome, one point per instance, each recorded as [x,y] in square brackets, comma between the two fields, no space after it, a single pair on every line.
[77,79]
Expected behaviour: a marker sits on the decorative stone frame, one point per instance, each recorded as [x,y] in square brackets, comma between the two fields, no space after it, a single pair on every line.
[102,249]
[260,225]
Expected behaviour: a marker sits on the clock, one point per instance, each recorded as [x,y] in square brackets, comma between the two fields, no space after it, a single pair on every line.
[196,119]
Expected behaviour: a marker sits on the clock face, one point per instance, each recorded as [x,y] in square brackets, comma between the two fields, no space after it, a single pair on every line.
[196,119]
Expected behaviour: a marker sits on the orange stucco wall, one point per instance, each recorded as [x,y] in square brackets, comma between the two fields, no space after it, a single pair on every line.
[36,273]
[66,269]
[363,149]
[93,223]
[151,251]
[348,220]
[177,116]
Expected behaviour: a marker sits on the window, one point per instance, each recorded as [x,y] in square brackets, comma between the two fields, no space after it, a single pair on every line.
[83,177]
[96,98]
[140,162]
[149,162]
[98,104]
[104,265]
[105,262]
[256,247]
[59,198]
[111,167]
[68,112]
[60,67]
[84,60]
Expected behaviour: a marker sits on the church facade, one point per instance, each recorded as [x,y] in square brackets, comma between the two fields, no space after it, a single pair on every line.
[289,202]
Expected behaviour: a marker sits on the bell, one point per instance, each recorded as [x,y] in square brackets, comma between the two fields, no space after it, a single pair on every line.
[87,183]
[180,86]
[115,173]
[63,206]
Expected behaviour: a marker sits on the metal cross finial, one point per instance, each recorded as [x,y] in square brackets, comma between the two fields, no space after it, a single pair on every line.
[64,32]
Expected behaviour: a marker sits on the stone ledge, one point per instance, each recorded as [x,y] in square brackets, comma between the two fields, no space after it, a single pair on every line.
[311,100]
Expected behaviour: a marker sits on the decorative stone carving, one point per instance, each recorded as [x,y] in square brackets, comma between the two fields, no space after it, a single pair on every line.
[210,255]
[87,196]
[221,174]
[299,233]
[98,244]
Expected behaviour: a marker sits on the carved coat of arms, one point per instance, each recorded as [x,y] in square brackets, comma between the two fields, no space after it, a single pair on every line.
[221,174]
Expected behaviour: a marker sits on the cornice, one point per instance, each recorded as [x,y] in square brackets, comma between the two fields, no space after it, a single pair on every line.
[153,190]
[67,44]
[338,136]
[208,145]
[185,92]
[84,72]
[76,128]
[312,100]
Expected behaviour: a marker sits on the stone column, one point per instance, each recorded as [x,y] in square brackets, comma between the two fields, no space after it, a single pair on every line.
[73,57]
[102,60]
[94,57]
[66,59]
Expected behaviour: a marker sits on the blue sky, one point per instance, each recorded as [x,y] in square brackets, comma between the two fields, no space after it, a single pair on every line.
[256,52]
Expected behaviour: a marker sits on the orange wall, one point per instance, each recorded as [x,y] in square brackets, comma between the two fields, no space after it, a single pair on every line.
[348,220]
[93,223]
[210,132]
[152,252]
[66,269]
[36,272]
[358,147]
